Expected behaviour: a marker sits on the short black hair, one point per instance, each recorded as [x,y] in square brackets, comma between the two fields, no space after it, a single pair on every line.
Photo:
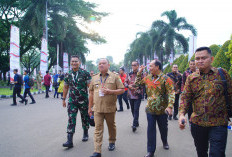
[27,71]
[136,62]
[105,59]
[47,71]
[192,60]
[122,69]
[16,70]
[75,56]
[158,63]
[204,48]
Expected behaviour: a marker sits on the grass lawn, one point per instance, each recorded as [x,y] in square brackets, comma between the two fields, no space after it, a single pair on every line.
[7,91]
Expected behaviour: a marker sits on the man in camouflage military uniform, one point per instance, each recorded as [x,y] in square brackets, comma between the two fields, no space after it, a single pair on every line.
[77,80]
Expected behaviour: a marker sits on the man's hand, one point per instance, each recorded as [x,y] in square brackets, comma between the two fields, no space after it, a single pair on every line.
[106,91]
[131,87]
[90,111]
[169,110]
[182,121]
[141,68]
[64,103]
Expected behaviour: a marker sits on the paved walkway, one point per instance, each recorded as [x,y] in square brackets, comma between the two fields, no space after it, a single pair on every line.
[39,130]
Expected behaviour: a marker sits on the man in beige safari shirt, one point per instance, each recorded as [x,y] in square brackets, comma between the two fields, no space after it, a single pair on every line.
[103,91]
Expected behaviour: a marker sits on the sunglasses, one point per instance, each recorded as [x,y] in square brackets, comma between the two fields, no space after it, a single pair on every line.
[134,65]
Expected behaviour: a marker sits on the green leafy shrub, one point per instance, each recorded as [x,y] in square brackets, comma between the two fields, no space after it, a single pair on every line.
[214,48]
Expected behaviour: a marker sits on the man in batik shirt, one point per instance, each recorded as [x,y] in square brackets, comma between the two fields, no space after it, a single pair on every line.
[77,80]
[209,120]
[160,99]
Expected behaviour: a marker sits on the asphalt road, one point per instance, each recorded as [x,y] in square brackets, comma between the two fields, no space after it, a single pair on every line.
[38,130]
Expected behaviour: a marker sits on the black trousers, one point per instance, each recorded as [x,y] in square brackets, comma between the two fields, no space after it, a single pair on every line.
[124,97]
[215,136]
[17,91]
[176,105]
[47,90]
[27,91]
[135,105]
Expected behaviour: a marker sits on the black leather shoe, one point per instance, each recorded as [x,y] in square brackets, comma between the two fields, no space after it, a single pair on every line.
[13,104]
[26,101]
[33,102]
[134,128]
[96,155]
[166,146]
[120,111]
[175,118]
[85,136]
[111,146]
[21,101]
[69,143]
[169,118]
[149,154]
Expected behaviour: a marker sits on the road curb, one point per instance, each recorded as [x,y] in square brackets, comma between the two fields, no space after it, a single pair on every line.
[10,96]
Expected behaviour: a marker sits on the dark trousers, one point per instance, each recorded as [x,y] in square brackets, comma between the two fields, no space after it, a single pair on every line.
[124,97]
[215,136]
[151,130]
[135,105]
[27,91]
[56,92]
[47,90]
[17,91]
[176,105]
[190,111]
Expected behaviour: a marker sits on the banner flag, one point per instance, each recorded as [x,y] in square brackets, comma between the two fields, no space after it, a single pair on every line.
[192,46]
[44,57]
[14,51]
[65,62]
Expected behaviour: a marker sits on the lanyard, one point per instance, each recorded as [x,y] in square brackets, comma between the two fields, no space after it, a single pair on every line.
[102,83]
[74,77]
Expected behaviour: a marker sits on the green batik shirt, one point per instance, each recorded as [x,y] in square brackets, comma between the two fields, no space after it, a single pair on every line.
[77,82]
[160,92]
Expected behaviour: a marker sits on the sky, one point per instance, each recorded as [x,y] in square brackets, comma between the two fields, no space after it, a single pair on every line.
[211,18]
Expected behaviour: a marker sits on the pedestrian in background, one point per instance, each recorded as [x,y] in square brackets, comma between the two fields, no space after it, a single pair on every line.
[134,94]
[160,99]
[18,82]
[27,89]
[39,79]
[177,80]
[103,91]
[205,92]
[47,83]
[123,96]
[61,86]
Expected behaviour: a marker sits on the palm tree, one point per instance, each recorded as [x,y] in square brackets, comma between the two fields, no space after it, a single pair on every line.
[169,32]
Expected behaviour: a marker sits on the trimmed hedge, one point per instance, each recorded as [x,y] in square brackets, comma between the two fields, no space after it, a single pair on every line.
[183,64]
[214,48]
[177,61]
[220,59]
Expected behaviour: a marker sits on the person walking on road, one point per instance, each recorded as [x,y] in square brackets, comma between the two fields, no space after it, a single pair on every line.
[61,86]
[27,89]
[103,91]
[160,99]
[123,96]
[177,79]
[205,92]
[192,69]
[134,94]
[76,81]
[18,82]
[39,79]
[47,82]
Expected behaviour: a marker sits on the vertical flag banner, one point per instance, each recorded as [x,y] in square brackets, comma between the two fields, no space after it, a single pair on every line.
[155,56]
[148,62]
[44,57]
[171,58]
[14,51]
[192,46]
[65,62]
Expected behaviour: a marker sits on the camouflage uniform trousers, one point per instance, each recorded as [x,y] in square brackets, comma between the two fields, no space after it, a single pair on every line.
[72,114]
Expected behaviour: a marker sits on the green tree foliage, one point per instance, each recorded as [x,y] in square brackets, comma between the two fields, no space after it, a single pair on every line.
[192,58]
[229,55]
[183,64]
[177,61]
[220,59]
[214,48]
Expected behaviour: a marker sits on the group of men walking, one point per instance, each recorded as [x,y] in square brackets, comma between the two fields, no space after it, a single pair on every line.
[201,90]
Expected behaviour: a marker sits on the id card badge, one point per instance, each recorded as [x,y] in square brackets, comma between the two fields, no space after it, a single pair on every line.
[101,94]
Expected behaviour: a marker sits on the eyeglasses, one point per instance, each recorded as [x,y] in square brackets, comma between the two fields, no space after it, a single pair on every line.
[134,65]
[75,61]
